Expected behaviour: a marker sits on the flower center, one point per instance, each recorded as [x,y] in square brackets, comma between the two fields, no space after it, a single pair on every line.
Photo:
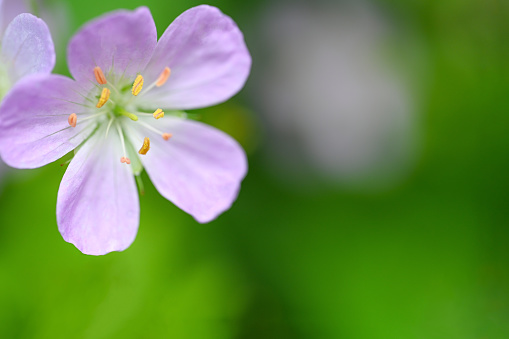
[113,104]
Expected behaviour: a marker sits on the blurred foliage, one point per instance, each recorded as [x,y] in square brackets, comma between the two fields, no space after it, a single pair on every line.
[425,259]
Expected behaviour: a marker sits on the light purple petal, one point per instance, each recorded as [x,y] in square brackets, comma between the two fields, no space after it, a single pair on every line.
[208,58]
[10,9]
[34,128]
[97,206]
[199,169]
[27,47]
[122,40]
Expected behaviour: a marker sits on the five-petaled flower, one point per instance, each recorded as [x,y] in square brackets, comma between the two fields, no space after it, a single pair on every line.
[121,114]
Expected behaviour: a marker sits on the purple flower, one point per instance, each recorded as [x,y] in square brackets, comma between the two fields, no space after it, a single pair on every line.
[120,115]
[26,45]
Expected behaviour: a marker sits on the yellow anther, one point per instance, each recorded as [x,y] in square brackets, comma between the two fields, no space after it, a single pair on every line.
[163,77]
[158,114]
[99,76]
[146,146]
[73,118]
[125,160]
[137,85]
[167,136]
[105,95]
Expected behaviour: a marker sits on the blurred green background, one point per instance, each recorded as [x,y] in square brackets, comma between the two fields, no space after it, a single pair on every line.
[426,256]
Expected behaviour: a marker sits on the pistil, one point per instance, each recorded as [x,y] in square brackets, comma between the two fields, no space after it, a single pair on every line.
[120,111]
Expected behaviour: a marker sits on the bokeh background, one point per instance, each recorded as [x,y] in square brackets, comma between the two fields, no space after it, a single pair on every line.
[375,206]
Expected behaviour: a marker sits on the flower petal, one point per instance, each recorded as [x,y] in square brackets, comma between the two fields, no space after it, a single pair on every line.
[199,169]
[34,128]
[27,47]
[97,206]
[10,9]
[121,40]
[208,58]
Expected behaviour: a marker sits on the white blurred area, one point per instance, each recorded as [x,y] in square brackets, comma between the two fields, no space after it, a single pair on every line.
[58,17]
[335,103]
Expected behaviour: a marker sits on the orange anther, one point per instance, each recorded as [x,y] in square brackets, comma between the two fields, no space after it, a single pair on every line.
[125,160]
[163,77]
[99,76]
[73,119]
[167,136]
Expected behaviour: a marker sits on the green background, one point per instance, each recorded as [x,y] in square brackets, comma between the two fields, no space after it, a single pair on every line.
[426,258]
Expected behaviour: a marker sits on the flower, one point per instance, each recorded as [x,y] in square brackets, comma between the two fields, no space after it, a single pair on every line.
[26,45]
[120,115]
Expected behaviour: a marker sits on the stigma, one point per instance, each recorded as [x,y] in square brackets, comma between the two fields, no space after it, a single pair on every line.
[145,147]
[137,85]
[72,120]
[158,114]
[99,76]
[105,95]
[167,136]
[163,77]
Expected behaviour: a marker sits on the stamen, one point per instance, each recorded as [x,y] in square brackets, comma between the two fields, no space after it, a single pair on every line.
[124,159]
[72,120]
[145,147]
[158,114]
[166,136]
[105,95]
[108,128]
[160,81]
[137,85]
[163,77]
[88,117]
[99,76]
